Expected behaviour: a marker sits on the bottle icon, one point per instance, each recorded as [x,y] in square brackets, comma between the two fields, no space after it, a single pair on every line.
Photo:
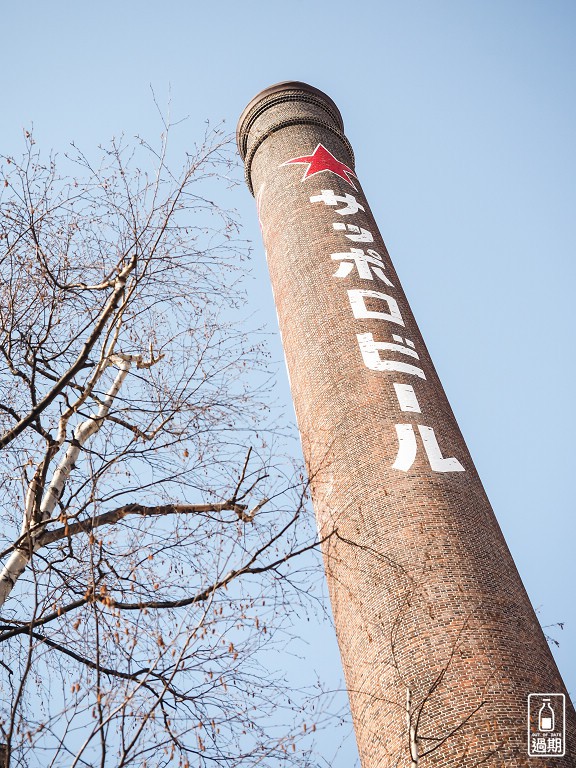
[546,717]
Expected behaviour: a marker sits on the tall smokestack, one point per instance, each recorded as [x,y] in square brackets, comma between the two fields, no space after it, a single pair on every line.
[439,643]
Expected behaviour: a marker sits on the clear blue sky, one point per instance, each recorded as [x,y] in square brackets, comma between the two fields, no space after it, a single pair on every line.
[463,118]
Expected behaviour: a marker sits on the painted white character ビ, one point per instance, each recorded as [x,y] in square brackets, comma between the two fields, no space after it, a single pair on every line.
[371,350]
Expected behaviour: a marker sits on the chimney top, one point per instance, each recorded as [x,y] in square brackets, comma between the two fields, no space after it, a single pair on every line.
[279,89]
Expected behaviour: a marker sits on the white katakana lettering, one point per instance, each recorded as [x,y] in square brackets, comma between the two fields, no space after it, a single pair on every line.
[406,398]
[400,340]
[371,349]
[364,264]
[328,197]
[407,450]
[361,312]
[359,234]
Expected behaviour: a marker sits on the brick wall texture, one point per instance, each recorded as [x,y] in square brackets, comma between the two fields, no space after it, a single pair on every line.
[439,642]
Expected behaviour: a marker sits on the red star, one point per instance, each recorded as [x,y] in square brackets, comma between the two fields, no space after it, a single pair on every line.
[323,160]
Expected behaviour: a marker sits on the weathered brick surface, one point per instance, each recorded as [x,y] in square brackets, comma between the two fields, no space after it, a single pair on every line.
[427,601]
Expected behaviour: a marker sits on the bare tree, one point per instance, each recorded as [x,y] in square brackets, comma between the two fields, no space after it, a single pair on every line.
[148,529]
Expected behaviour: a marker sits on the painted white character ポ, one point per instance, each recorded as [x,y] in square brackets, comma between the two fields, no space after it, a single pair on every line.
[365,264]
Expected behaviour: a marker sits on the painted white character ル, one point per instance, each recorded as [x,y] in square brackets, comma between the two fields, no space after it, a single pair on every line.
[408,448]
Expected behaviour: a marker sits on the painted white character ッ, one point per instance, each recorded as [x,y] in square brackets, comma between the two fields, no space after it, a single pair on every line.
[358,234]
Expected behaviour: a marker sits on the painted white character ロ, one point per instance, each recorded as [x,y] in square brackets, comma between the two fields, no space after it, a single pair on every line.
[357,298]
[371,350]
[365,264]
[359,234]
[328,197]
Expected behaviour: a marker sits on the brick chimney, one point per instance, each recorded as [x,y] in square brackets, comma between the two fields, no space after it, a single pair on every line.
[439,642]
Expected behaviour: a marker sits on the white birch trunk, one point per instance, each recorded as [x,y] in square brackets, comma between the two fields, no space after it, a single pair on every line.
[19,559]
